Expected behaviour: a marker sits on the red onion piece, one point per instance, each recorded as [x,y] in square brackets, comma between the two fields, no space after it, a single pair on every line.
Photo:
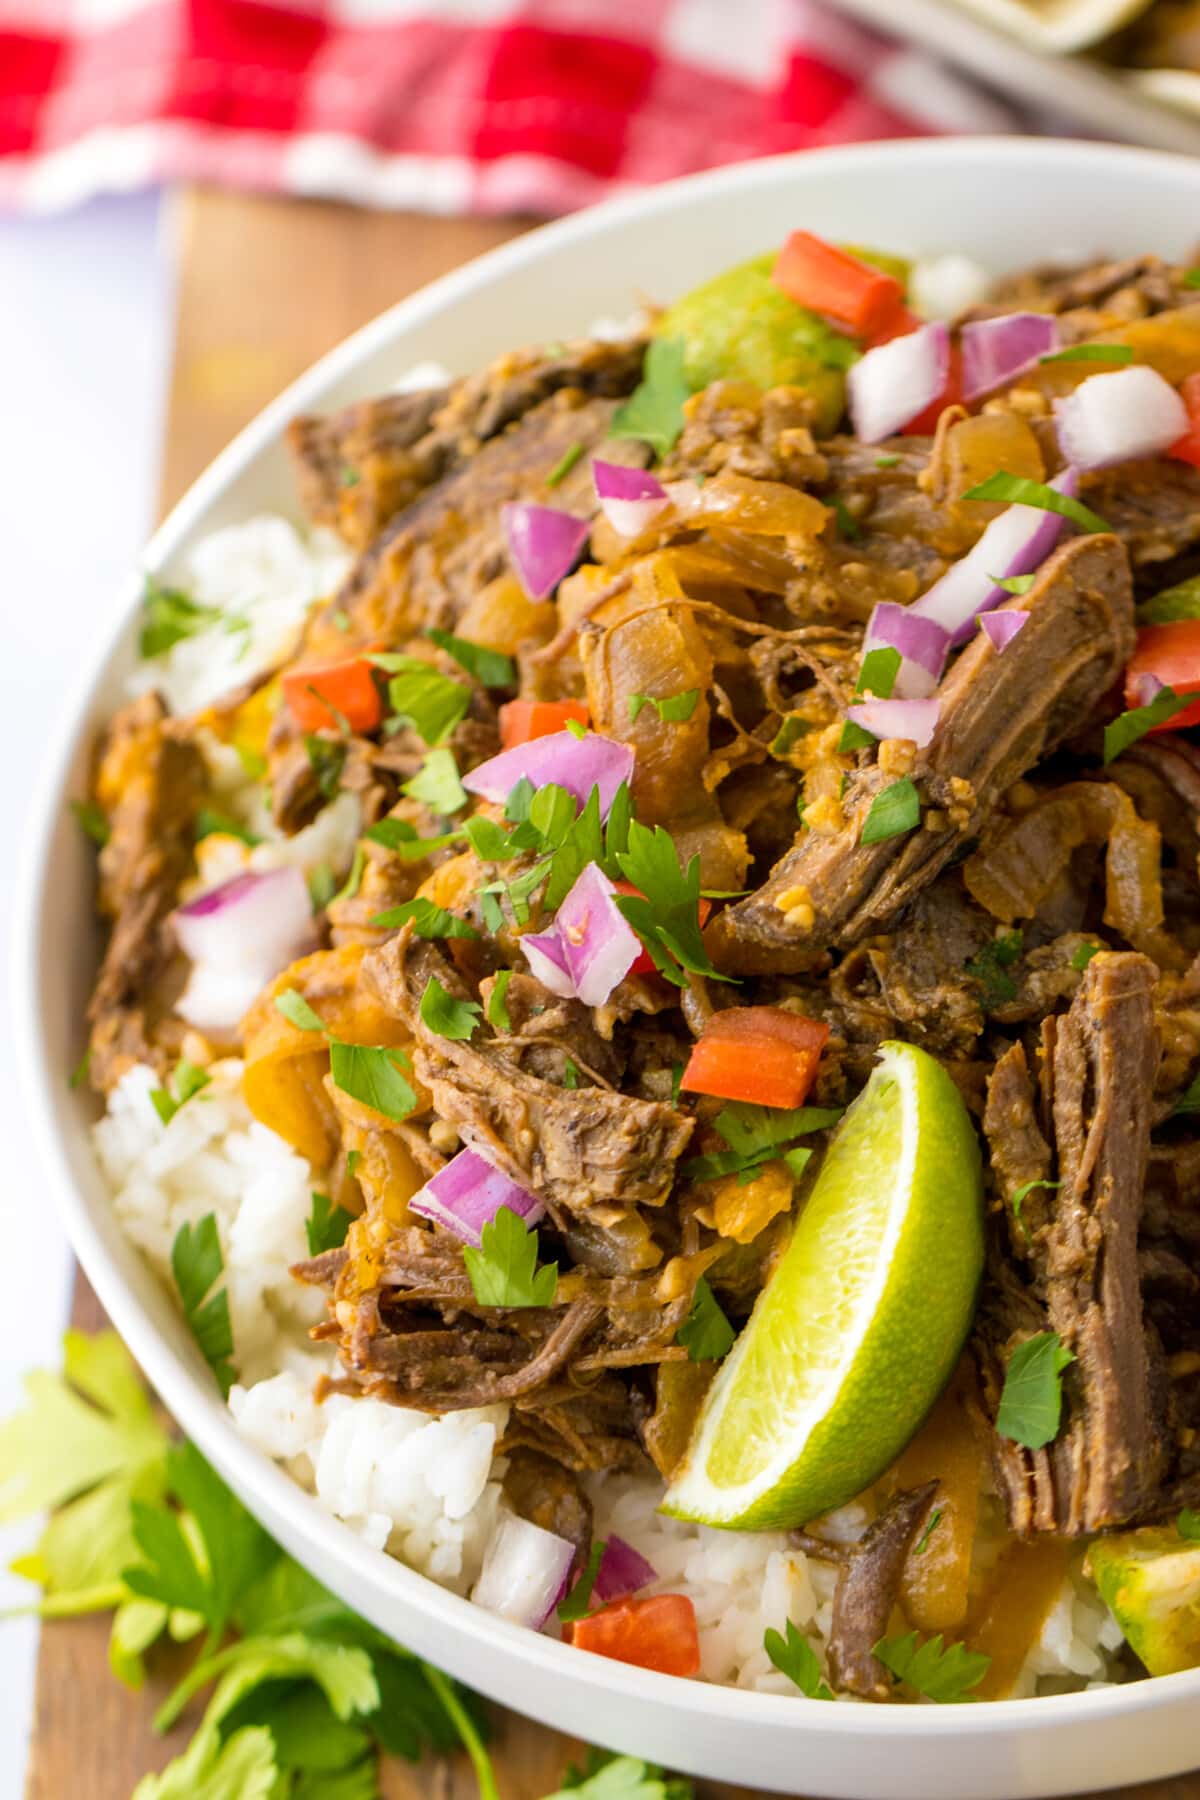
[1002,626]
[547,959]
[468,1193]
[1115,418]
[577,764]
[623,1570]
[600,948]
[1144,687]
[629,498]
[922,642]
[238,936]
[1016,542]
[914,719]
[544,544]
[894,382]
[525,1572]
[994,350]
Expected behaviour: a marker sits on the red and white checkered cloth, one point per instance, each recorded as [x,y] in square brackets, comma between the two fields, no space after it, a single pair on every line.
[446,105]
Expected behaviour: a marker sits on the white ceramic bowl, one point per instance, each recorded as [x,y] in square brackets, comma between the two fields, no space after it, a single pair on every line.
[1005,203]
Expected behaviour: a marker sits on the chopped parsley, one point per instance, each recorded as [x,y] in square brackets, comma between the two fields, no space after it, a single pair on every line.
[1101,353]
[877,676]
[792,727]
[79,1073]
[886,460]
[706,1333]
[168,616]
[322,885]
[1018,1200]
[1179,602]
[665,911]
[448,1017]
[654,411]
[296,1010]
[437,785]
[848,526]
[942,1674]
[1014,584]
[576,729]
[675,708]
[353,1158]
[1129,726]
[894,810]
[406,842]
[990,966]
[1188,1101]
[1018,490]
[91,821]
[422,697]
[504,1271]
[1191,278]
[677,1072]
[1030,1411]
[576,1603]
[497,1013]
[564,465]
[341,618]
[373,1076]
[186,1080]
[756,1135]
[1082,955]
[795,1657]
[328,758]
[349,888]
[922,1544]
[491,668]
[197,1265]
[1188,1525]
[211,823]
[570,1073]
[326,1225]
[428,920]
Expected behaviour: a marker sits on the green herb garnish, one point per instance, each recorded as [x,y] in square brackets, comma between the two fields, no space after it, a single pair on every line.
[197,1265]
[296,1010]
[706,1333]
[792,728]
[1030,1411]
[1129,726]
[448,1017]
[665,911]
[491,668]
[1188,1101]
[576,1603]
[942,1674]
[168,616]
[990,966]
[406,842]
[326,1225]
[1101,353]
[675,708]
[91,821]
[886,461]
[922,1544]
[437,785]
[1188,1525]
[795,1657]
[1191,278]
[564,465]
[877,676]
[1018,1200]
[211,823]
[1179,602]
[848,526]
[504,1269]
[1082,955]
[373,1075]
[894,810]
[654,411]
[755,1135]
[422,697]
[1014,584]
[428,920]
[322,885]
[186,1080]
[1020,491]
[328,758]
[497,1013]
[79,1073]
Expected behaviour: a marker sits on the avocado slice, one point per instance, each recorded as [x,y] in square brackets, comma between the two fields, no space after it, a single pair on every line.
[1150,1581]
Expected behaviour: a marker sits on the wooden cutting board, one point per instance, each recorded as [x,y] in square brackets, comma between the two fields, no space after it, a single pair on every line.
[265,286]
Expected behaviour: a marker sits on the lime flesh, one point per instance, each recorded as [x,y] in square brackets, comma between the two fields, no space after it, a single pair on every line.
[857,1331]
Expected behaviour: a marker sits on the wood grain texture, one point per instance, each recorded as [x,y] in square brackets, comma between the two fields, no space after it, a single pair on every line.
[265,286]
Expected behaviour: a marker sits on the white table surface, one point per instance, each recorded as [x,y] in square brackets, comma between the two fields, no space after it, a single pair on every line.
[84,336]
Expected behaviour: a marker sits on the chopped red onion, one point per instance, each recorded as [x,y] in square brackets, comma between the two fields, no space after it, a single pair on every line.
[894,382]
[578,764]
[599,947]
[914,719]
[629,498]
[1117,417]
[1144,687]
[1003,625]
[544,544]
[623,1570]
[994,350]
[238,936]
[525,1572]
[546,957]
[1016,542]
[468,1193]
[923,644]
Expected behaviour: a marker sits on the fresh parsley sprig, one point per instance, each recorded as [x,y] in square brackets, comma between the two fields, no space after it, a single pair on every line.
[1030,1411]
[448,1017]
[671,709]
[185,1082]
[654,411]
[370,1073]
[504,1269]
[326,1225]
[1129,726]
[945,1673]
[197,1266]
[895,810]
[422,697]
[665,911]
[706,1333]
[795,1657]
[491,668]
[576,1603]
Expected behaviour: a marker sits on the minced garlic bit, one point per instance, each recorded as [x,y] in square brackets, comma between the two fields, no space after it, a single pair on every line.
[897,756]
[824,815]
[443,1137]
[963,802]
[796,906]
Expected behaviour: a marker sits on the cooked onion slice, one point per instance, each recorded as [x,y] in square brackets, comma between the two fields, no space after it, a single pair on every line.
[468,1193]
[1002,626]
[599,947]
[1115,418]
[629,498]
[238,936]
[912,719]
[525,1572]
[544,544]
[994,350]
[894,382]
[1015,543]
[623,1570]
[547,959]
[578,764]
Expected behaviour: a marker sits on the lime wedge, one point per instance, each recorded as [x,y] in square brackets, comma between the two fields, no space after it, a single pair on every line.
[857,1331]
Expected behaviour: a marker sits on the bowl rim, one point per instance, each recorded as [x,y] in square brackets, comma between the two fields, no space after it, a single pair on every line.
[196,1409]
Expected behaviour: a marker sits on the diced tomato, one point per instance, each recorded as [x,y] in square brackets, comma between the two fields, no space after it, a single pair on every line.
[1187,448]
[925,423]
[655,1632]
[1172,652]
[645,962]
[521,720]
[349,688]
[897,324]
[859,298]
[763,1054]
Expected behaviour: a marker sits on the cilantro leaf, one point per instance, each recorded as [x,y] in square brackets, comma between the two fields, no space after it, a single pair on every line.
[654,411]
[989,966]
[404,840]
[1019,1197]
[168,616]
[1020,491]
[1083,954]
[1105,353]
[943,1674]
[327,757]
[570,1073]
[296,1010]
[197,1265]
[1013,584]
[372,1075]
[429,921]
[186,1080]
[665,911]
[241,1767]
[421,696]
[877,676]
[504,1269]
[437,785]
[326,1225]
[607,1776]
[706,1333]
[575,1604]
[1188,1101]
[91,821]
[1129,726]
[792,728]
[1030,1410]
[322,885]
[211,823]
[497,1006]
[796,1658]
[756,1134]
[491,668]
[894,810]
[1188,1525]
[675,708]
[448,1017]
